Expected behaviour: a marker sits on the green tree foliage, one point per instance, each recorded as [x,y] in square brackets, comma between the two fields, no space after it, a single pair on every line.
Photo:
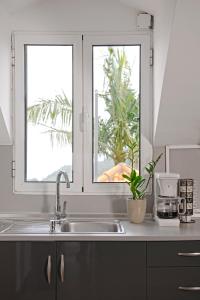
[122,106]
[55,115]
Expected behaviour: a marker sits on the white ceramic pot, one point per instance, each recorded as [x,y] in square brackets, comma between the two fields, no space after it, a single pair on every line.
[136,210]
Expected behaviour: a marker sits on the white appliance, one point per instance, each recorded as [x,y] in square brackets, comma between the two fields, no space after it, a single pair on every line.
[166,201]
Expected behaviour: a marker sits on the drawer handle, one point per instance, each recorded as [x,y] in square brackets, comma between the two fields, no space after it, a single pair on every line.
[49,269]
[189,288]
[62,268]
[193,254]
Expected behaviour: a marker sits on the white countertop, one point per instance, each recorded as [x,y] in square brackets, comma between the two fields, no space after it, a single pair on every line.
[147,231]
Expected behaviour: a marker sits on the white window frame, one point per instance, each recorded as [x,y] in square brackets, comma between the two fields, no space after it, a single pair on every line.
[21,39]
[145,106]
[82,126]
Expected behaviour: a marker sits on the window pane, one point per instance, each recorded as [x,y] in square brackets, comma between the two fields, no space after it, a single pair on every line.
[48,111]
[116,110]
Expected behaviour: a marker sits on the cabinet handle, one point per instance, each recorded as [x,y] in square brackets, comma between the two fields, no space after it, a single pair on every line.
[62,268]
[189,288]
[49,269]
[189,254]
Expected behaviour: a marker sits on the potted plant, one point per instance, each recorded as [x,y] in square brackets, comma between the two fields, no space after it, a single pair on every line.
[138,184]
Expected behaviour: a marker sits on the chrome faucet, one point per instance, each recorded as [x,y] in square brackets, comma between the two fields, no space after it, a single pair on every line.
[61,213]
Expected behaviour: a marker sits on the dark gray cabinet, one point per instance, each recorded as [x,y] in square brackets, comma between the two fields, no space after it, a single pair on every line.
[171,254]
[23,270]
[173,270]
[173,283]
[77,271]
[102,271]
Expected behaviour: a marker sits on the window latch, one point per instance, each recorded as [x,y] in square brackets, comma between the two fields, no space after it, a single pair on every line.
[81,122]
[13,168]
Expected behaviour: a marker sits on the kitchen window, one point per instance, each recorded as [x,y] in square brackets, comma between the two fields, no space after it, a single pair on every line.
[48,111]
[79,100]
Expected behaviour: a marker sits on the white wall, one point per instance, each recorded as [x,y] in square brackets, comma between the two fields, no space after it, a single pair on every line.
[163,12]
[79,15]
[163,22]
[5,100]
[179,117]
[60,15]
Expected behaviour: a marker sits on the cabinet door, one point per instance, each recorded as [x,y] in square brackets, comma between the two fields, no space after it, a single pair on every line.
[171,253]
[101,271]
[23,270]
[174,283]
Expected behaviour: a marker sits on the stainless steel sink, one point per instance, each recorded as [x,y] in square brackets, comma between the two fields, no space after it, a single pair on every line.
[91,227]
[4,226]
[28,227]
[64,227]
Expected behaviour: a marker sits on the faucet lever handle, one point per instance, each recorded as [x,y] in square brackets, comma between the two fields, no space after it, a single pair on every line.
[52,225]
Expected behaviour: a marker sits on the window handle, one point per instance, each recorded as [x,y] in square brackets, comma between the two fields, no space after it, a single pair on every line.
[81,122]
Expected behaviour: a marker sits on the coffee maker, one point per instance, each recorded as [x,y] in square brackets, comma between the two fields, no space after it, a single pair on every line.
[168,206]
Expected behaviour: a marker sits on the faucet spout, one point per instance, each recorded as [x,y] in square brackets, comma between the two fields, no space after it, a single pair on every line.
[58,204]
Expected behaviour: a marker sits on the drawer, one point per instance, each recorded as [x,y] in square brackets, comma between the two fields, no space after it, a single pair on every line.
[174,283]
[183,253]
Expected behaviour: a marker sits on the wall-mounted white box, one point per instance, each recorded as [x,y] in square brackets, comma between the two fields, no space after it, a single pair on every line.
[144,21]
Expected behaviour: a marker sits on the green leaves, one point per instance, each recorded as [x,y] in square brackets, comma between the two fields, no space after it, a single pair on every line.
[55,115]
[152,164]
[137,182]
[127,177]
